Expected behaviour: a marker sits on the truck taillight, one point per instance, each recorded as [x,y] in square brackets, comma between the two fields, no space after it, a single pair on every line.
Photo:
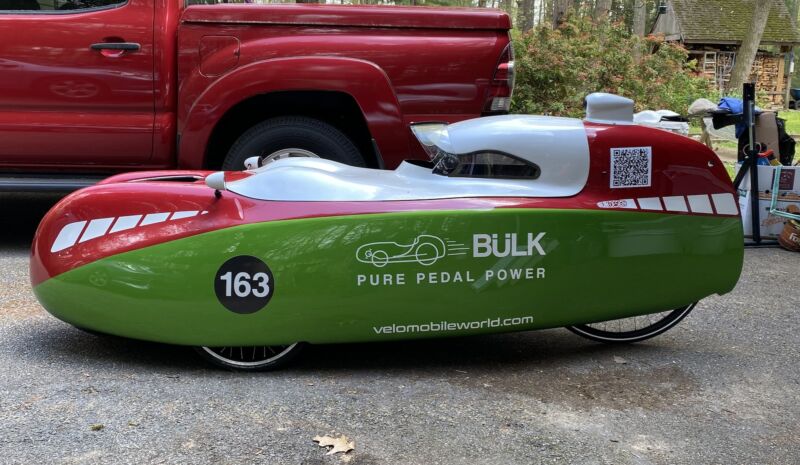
[498,99]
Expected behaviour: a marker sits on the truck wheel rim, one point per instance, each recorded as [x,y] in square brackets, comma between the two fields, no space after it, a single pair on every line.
[248,356]
[287,153]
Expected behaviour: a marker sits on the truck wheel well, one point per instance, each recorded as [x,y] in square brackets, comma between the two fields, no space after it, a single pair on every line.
[336,108]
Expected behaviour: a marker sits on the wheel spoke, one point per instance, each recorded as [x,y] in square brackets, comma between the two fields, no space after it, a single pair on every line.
[631,329]
[248,356]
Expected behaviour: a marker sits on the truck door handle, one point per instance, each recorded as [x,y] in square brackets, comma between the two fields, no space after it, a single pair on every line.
[120,46]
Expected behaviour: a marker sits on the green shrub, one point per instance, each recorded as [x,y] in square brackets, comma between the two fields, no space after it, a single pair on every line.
[556,69]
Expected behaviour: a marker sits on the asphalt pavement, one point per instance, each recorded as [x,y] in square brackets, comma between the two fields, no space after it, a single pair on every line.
[722,387]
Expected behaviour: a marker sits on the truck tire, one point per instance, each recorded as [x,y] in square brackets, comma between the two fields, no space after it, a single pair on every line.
[292,136]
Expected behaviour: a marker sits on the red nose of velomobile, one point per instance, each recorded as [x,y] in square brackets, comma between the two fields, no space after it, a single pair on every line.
[125,213]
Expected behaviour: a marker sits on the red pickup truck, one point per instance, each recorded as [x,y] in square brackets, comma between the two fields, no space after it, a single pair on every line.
[93,87]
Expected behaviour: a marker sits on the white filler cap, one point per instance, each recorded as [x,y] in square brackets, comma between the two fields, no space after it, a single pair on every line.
[609,109]
[216,180]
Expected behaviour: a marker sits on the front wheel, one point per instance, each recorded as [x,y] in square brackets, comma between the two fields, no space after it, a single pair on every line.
[252,358]
[292,136]
[632,329]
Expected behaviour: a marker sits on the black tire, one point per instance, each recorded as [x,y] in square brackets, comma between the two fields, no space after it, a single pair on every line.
[254,358]
[293,132]
[595,332]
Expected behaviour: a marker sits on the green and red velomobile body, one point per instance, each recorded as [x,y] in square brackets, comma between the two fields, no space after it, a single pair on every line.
[161,256]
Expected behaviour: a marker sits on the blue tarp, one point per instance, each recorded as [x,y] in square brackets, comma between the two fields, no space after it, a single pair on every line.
[735,106]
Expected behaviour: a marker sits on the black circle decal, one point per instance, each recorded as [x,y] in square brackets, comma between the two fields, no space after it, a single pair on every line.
[244,284]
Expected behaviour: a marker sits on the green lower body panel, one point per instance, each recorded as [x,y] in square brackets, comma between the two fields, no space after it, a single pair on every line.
[401,276]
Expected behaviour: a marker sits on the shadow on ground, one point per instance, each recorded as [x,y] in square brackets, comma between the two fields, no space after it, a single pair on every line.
[23,213]
[554,364]
[532,349]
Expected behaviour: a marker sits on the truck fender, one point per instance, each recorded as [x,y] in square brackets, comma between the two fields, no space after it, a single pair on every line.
[364,81]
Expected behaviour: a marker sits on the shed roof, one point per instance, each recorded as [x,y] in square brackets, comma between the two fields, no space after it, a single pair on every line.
[727,21]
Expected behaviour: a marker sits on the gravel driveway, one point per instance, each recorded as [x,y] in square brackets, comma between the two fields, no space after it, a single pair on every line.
[722,387]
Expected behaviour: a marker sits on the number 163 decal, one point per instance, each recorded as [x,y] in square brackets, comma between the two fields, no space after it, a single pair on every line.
[244,284]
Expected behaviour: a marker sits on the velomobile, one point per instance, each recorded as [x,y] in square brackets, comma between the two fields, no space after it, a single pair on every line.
[518,222]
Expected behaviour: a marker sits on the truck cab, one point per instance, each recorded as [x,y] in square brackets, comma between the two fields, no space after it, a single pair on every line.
[95,87]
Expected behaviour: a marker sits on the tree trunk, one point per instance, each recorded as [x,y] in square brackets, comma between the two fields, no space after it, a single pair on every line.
[560,8]
[524,15]
[601,9]
[639,20]
[747,51]
[542,11]
[793,12]
[639,17]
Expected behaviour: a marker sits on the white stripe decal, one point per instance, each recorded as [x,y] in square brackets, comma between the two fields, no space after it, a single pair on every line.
[675,203]
[68,235]
[699,204]
[184,214]
[125,222]
[154,218]
[100,226]
[650,203]
[96,228]
[725,204]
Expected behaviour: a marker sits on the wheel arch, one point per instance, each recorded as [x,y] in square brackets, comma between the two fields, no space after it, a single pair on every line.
[353,95]
[338,109]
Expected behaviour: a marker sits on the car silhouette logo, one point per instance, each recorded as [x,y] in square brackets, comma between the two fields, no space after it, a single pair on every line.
[425,250]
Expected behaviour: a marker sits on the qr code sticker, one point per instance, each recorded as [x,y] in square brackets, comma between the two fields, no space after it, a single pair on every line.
[631,167]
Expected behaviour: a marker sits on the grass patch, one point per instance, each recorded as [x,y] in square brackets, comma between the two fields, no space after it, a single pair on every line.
[730,167]
[727,144]
[792,118]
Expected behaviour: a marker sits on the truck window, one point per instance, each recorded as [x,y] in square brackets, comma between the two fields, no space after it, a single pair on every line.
[55,5]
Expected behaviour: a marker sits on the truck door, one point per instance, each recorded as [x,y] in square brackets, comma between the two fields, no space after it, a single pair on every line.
[76,83]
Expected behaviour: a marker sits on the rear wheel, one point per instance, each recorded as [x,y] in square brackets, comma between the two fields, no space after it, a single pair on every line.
[632,329]
[292,136]
[251,358]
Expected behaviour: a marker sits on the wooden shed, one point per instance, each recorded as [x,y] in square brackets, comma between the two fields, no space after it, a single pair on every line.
[712,30]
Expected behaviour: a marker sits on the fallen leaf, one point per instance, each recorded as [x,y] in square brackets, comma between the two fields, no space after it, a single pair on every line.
[96,427]
[340,444]
[620,360]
